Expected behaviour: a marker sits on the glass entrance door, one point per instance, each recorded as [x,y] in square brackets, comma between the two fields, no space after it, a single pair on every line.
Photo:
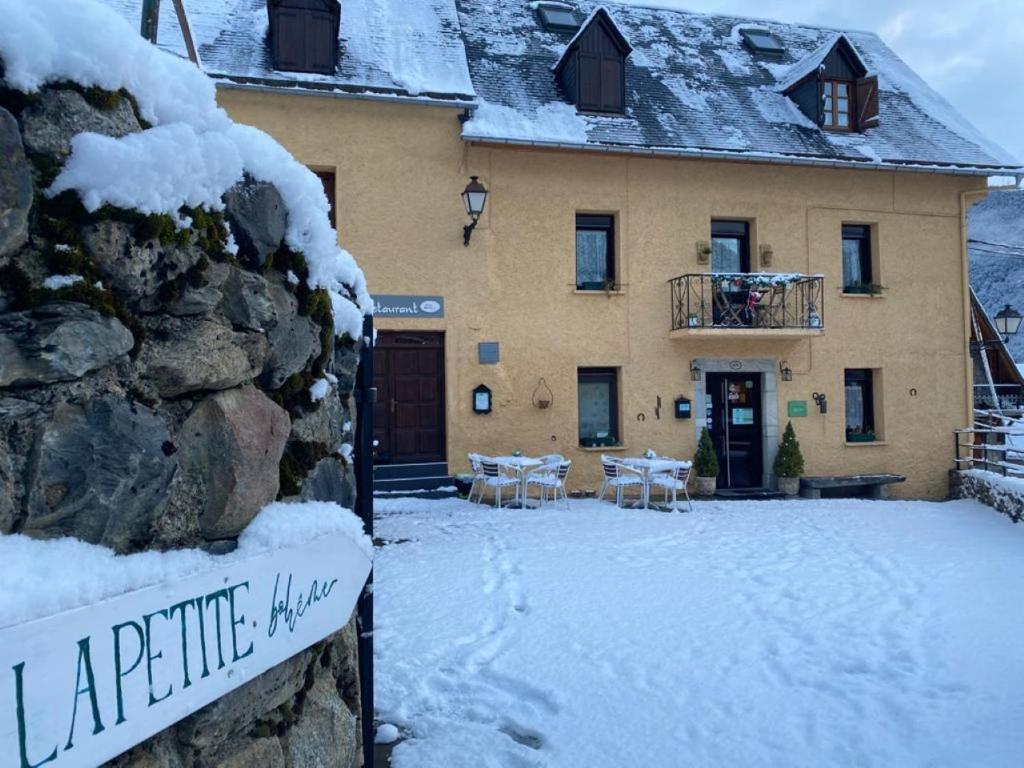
[733,405]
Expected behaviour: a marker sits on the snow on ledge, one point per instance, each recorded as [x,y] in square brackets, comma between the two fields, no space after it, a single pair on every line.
[554,122]
[77,574]
[193,153]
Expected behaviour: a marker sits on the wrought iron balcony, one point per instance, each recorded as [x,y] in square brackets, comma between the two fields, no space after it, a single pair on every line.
[748,304]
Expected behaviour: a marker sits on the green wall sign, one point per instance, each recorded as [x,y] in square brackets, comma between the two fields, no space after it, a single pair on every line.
[796,408]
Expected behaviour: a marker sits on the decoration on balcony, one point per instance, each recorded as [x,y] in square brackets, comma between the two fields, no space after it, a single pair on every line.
[650,453]
[759,281]
[703,251]
[785,371]
[813,318]
[474,197]
[767,254]
[542,397]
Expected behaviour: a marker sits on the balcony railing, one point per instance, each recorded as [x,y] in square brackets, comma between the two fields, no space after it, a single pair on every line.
[741,300]
[1008,397]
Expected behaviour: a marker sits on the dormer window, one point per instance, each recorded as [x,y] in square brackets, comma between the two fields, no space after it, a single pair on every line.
[304,35]
[833,88]
[592,69]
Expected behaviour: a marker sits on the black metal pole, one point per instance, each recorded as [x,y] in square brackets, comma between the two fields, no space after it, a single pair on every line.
[366,396]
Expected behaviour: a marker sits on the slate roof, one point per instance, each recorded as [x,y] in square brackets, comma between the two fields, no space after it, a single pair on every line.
[406,49]
[694,88]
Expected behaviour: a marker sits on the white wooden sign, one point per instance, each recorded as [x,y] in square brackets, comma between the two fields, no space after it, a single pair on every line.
[80,687]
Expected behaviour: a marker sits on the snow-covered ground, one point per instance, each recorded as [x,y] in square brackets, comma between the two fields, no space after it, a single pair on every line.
[800,633]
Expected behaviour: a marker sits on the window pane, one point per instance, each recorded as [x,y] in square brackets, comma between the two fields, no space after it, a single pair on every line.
[855,407]
[828,117]
[591,258]
[726,254]
[852,274]
[844,120]
[843,105]
[843,89]
[828,101]
[595,409]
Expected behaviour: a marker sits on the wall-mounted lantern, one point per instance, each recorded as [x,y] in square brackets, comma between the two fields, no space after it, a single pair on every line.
[785,371]
[695,372]
[482,399]
[474,197]
[1007,322]
[821,401]
[767,253]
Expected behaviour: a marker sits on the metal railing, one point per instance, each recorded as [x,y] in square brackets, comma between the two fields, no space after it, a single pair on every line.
[1008,396]
[995,444]
[748,300]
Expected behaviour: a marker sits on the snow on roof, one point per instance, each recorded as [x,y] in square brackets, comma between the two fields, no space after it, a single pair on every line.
[693,87]
[193,153]
[392,48]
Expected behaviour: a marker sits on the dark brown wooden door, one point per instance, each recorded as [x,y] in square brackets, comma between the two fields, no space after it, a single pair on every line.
[409,423]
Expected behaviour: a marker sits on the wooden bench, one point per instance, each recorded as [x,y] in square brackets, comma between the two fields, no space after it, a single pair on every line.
[855,486]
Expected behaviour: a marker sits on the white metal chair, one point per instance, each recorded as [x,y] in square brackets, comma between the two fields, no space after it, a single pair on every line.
[552,481]
[674,481]
[478,484]
[619,476]
[497,480]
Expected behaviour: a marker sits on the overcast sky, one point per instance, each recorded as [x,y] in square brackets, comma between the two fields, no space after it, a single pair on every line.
[971,51]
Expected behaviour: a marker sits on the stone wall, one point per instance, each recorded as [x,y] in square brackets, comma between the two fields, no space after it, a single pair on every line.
[155,383]
[1003,494]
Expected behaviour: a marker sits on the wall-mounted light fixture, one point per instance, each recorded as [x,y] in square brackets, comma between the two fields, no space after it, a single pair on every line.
[482,399]
[785,371]
[767,253]
[695,372]
[474,197]
[821,401]
[1007,322]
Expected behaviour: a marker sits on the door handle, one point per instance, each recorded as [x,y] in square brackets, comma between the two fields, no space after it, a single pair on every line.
[392,405]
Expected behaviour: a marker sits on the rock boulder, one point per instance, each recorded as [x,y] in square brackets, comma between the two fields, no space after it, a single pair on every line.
[99,472]
[257,217]
[52,119]
[61,341]
[15,186]
[233,441]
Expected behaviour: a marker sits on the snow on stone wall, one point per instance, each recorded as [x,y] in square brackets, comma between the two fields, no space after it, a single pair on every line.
[1004,494]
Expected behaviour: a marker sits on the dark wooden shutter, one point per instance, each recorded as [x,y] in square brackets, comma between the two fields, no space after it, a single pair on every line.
[321,42]
[288,37]
[611,84]
[589,82]
[867,102]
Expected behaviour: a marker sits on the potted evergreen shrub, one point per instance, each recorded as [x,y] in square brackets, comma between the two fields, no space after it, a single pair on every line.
[705,464]
[789,462]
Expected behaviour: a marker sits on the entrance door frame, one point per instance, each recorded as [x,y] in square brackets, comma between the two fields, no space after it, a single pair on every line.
[767,367]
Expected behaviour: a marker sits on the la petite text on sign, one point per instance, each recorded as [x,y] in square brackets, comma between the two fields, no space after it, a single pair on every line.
[81,687]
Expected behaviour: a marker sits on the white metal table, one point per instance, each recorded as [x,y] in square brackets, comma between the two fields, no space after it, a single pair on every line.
[521,465]
[647,467]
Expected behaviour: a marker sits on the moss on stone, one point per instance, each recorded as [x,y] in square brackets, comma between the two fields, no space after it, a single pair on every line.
[101,98]
[211,232]
[193,277]
[47,168]
[297,461]
[62,218]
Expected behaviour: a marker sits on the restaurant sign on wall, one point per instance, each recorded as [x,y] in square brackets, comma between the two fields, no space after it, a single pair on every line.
[80,687]
[389,305]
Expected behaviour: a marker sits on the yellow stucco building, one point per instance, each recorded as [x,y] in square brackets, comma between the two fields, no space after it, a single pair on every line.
[584,302]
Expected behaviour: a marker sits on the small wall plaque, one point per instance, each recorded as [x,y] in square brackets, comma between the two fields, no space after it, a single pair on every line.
[489,352]
[796,408]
